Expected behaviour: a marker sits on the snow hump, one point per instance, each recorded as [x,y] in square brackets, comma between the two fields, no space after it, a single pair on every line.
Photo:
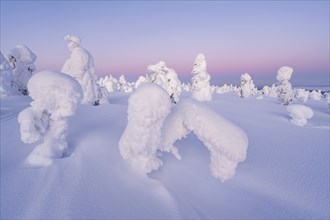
[300,114]
[226,142]
[148,107]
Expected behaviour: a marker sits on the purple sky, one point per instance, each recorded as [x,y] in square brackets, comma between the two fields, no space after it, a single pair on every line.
[125,37]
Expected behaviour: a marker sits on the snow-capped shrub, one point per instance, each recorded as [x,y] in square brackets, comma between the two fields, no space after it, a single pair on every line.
[55,98]
[226,142]
[166,78]
[109,82]
[247,87]
[124,86]
[7,86]
[22,59]
[315,95]
[225,89]
[81,66]
[148,107]
[301,95]
[200,82]
[300,114]
[284,90]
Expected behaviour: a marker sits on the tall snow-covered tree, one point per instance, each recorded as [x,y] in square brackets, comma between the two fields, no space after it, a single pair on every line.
[81,66]
[247,87]
[22,59]
[166,78]
[200,82]
[284,89]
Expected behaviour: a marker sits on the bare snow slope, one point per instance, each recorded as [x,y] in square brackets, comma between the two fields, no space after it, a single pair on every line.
[285,174]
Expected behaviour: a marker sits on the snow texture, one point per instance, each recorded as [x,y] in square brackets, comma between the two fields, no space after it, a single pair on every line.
[22,59]
[165,77]
[247,87]
[55,98]
[226,142]
[300,114]
[201,89]
[81,66]
[148,107]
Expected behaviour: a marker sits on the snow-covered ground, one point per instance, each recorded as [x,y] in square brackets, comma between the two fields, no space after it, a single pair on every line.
[285,173]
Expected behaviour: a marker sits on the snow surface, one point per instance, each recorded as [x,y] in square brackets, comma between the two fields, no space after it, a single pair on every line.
[285,175]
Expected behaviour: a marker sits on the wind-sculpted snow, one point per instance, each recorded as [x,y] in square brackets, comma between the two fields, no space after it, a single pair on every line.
[148,107]
[55,98]
[226,142]
[300,114]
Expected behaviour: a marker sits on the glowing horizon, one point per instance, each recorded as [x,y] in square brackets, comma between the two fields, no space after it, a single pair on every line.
[125,37]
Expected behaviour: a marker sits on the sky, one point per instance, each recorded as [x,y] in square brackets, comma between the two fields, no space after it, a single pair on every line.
[124,37]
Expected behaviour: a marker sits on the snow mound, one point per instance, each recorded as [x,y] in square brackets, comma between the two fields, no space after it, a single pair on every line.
[285,72]
[55,97]
[300,114]
[226,142]
[148,107]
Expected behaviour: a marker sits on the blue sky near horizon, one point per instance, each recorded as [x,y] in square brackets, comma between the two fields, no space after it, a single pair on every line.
[125,37]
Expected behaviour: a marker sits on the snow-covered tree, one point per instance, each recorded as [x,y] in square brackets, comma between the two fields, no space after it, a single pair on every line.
[109,82]
[226,142]
[7,86]
[22,59]
[301,95]
[224,89]
[55,98]
[166,78]
[247,87]
[140,81]
[148,107]
[81,66]
[200,82]
[284,89]
[315,95]
[124,86]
